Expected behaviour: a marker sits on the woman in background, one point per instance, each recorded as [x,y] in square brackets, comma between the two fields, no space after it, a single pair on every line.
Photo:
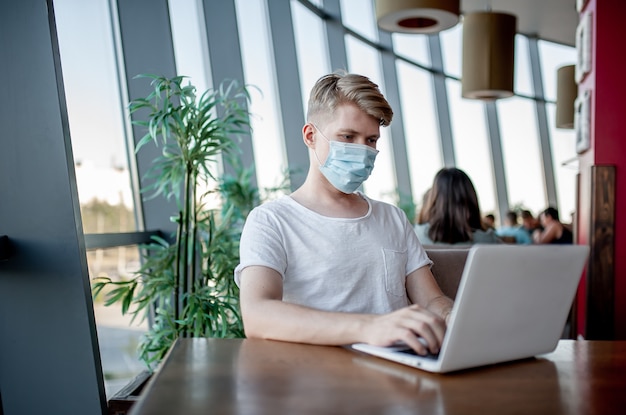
[452,212]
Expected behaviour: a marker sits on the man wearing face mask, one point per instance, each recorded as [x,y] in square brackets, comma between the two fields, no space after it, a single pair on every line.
[328,265]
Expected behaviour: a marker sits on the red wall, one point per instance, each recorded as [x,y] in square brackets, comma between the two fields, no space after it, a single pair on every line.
[607,83]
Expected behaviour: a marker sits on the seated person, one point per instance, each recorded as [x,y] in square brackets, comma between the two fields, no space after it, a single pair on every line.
[554,232]
[512,229]
[452,212]
[327,264]
[489,221]
[529,222]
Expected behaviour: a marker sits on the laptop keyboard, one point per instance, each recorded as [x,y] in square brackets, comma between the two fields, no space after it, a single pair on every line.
[414,353]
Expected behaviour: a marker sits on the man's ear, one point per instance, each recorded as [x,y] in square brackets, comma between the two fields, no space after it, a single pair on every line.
[308,135]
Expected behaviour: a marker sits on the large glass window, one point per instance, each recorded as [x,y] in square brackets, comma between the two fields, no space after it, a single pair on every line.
[93,102]
[451,43]
[552,57]
[190,46]
[359,16]
[565,162]
[471,145]
[267,134]
[98,143]
[412,47]
[420,126]
[562,141]
[523,78]
[520,151]
[313,61]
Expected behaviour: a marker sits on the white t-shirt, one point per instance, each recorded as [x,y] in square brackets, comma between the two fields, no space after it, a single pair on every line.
[337,264]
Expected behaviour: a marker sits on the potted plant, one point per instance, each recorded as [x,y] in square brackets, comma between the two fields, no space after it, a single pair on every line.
[185,282]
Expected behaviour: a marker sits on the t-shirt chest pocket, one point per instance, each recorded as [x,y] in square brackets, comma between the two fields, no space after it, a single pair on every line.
[395,271]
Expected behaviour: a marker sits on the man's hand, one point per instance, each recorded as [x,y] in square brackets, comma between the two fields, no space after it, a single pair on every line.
[408,325]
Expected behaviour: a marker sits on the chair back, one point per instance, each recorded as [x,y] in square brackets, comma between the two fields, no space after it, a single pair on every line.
[448,267]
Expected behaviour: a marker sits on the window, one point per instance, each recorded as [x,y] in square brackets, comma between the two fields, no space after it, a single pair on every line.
[420,126]
[563,142]
[360,17]
[267,134]
[523,78]
[521,153]
[471,145]
[310,48]
[96,121]
[412,47]
[451,42]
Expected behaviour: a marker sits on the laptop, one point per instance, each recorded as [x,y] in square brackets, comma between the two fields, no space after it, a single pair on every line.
[512,303]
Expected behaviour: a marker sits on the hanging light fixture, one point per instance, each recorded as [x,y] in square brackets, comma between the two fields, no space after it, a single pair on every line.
[566,93]
[488,55]
[417,16]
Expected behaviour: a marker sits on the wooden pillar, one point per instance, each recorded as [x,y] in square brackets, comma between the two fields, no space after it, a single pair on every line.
[601,268]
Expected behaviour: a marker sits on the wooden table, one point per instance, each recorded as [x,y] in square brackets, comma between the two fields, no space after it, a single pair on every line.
[219,376]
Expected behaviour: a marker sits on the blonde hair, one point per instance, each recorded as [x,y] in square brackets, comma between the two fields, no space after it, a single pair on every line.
[339,88]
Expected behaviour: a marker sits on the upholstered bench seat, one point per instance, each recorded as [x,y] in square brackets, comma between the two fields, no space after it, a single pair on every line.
[448,264]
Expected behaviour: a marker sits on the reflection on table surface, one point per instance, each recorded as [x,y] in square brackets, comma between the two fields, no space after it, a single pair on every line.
[258,377]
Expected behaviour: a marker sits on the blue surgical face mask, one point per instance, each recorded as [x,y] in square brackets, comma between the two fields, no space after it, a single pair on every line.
[347,165]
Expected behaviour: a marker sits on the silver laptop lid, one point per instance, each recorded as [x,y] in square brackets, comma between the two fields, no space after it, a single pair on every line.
[512,303]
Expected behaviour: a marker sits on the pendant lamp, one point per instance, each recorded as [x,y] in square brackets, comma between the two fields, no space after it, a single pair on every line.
[488,55]
[417,16]
[566,93]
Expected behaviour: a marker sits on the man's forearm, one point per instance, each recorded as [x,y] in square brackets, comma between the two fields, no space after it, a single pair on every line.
[278,320]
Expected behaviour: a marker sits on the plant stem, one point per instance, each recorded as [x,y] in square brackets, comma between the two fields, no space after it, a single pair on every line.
[177,261]
[184,266]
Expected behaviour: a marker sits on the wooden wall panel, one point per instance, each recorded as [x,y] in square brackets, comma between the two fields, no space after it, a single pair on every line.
[601,269]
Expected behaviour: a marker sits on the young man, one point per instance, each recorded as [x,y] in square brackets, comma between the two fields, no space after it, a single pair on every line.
[553,232]
[326,264]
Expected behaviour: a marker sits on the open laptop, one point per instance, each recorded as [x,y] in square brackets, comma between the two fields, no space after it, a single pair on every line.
[512,303]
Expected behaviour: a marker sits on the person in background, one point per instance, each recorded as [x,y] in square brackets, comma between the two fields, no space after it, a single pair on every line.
[529,222]
[328,265]
[554,232]
[512,229]
[453,213]
[489,221]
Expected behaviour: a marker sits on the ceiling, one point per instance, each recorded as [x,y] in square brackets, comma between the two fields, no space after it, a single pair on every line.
[553,20]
